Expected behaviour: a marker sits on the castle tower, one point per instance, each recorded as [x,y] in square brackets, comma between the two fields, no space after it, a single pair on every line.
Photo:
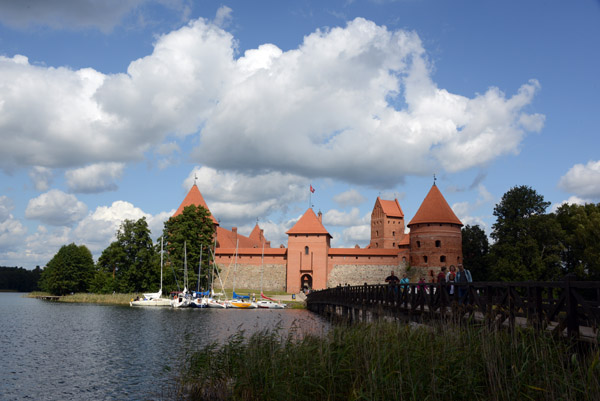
[435,233]
[387,224]
[308,246]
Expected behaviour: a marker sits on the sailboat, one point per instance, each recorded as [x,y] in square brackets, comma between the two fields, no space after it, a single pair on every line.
[239,301]
[266,302]
[211,302]
[183,300]
[198,299]
[154,298]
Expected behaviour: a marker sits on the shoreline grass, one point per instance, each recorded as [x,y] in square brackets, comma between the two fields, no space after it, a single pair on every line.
[103,299]
[389,361]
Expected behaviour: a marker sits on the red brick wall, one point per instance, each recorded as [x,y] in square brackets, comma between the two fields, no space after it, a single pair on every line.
[423,239]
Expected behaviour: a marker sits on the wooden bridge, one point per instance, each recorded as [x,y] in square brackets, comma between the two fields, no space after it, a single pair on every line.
[565,307]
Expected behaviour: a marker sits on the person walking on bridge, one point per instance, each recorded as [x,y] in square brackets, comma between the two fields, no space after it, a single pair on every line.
[463,276]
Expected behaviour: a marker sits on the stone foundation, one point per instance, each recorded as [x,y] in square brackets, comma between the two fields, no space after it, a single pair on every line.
[361,274]
[249,276]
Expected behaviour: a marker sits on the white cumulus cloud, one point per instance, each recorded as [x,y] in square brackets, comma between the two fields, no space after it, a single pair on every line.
[322,110]
[582,180]
[56,208]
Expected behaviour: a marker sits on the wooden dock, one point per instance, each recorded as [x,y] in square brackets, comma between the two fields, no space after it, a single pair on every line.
[48,297]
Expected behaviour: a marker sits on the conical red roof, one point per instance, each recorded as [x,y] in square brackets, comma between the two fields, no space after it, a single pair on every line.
[435,209]
[309,223]
[194,197]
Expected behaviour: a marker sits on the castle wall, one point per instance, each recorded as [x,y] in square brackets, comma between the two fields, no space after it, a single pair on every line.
[249,276]
[250,267]
[359,274]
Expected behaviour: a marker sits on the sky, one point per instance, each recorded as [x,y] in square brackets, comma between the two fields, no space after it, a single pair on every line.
[112,110]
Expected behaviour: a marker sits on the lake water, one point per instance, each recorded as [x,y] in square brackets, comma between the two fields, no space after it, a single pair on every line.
[60,351]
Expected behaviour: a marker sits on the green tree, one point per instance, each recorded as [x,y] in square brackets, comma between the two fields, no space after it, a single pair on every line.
[128,264]
[581,247]
[528,241]
[476,249]
[70,270]
[194,227]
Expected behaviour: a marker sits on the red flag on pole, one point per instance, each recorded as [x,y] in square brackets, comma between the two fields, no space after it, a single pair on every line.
[312,190]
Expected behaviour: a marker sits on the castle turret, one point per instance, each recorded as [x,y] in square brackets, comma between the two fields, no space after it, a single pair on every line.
[387,224]
[435,233]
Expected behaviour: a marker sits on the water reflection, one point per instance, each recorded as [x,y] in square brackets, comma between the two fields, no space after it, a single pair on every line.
[57,351]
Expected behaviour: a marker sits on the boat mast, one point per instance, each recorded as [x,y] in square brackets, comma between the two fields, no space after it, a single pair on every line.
[161,263]
[237,242]
[212,273]
[199,269]
[185,274]
[262,263]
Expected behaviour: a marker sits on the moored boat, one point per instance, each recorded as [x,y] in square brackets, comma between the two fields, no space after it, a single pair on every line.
[154,298]
[241,304]
[269,303]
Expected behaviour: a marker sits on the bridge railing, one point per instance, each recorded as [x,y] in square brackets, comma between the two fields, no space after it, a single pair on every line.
[559,305]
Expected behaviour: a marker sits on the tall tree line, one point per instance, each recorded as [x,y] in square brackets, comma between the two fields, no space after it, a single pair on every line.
[531,244]
[19,279]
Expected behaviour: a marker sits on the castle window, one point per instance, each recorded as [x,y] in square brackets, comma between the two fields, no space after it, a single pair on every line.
[425,259]
[393,244]
[393,233]
[443,259]
[306,250]
[376,233]
[404,259]
[438,243]
[418,244]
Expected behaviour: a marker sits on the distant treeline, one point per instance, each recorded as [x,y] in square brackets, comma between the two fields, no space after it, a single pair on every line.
[19,279]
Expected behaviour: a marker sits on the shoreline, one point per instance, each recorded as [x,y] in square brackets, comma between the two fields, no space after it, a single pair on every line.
[124,299]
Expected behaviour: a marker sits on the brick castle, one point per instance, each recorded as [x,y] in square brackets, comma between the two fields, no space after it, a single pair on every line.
[309,261]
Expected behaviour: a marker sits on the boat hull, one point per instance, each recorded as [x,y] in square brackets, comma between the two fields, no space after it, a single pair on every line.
[269,305]
[241,305]
[151,302]
[216,304]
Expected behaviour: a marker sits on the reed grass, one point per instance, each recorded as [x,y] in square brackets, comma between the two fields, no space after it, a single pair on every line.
[106,299]
[388,361]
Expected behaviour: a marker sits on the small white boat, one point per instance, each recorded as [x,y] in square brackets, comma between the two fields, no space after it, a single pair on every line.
[181,300]
[154,298]
[152,301]
[269,303]
[199,303]
[213,303]
[266,304]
